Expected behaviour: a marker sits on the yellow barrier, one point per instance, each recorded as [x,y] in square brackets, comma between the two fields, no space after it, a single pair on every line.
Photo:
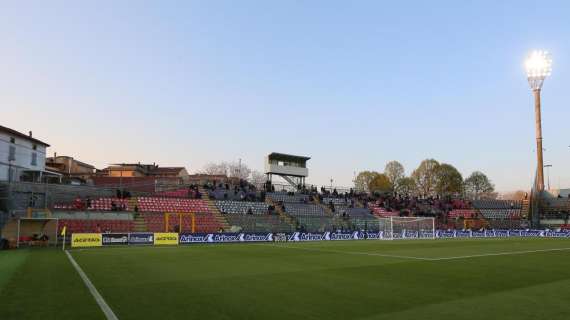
[164,238]
[86,240]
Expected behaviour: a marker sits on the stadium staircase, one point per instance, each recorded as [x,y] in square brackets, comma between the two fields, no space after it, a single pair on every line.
[525,211]
[139,223]
[132,202]
[285,217]
[322,205]
[358,203]
[213,209]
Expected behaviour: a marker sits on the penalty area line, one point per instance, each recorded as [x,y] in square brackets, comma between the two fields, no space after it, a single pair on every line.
[109,314]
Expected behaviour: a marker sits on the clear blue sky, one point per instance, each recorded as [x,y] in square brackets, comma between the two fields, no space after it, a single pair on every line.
[353,84]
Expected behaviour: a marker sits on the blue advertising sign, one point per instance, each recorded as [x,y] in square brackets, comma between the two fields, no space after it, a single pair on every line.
[478,234]
[114,239]
[187,238]
[342,235]
[462,234]
[446,234]
[374,235]
[141,238]
[298,236]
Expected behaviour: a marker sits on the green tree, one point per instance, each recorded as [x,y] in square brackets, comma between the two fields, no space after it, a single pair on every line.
[449,180]
[425,177]
[394,171]
[363,180]
[477,185]
[407,186]
[380,183]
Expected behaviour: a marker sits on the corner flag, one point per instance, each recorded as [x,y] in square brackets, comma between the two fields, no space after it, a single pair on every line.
[63,231]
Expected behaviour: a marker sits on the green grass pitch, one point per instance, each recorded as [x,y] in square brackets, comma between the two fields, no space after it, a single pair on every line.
[424,279]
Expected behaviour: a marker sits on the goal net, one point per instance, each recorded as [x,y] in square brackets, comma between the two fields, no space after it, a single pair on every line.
[408,228]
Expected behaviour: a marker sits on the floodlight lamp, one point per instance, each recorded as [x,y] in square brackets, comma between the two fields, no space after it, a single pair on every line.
[538,66]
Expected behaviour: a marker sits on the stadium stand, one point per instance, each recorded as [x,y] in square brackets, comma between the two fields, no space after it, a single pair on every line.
[242,207]
[288,197]
[381,211]
[336,201]
[154,204]
[144,204]
[499,209]
[203,223]
[180,193]
[462,213]
[555,208]
[95,225]
[362,219]
[258,223]
[309,217]
[300,209]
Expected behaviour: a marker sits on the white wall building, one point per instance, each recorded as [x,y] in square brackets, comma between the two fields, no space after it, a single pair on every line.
[22,157]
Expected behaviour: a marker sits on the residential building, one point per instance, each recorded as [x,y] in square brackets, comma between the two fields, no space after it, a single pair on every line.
[22,157]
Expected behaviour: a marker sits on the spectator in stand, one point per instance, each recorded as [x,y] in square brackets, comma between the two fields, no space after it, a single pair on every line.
[331,206]
[250,211]
[113,206]
[88,202]
[78,204]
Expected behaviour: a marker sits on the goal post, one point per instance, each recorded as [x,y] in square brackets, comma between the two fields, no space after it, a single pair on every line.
[412,228]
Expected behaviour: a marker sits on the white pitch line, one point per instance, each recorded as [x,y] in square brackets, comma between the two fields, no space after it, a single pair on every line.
[425,258]
[499,254]
[356,253]
[98,298]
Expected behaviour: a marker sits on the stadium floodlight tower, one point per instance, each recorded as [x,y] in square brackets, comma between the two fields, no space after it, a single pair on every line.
[538,67]
[292,169]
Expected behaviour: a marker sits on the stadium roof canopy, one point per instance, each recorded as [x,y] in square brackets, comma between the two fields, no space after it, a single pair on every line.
[287,157]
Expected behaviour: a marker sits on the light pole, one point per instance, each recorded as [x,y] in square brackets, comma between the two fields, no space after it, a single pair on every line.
[538,67]
[548,166]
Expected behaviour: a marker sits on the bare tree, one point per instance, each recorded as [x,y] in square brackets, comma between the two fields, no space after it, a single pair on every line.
[215,169]
[257,178]
[238,170]
[394,171]
[407,186]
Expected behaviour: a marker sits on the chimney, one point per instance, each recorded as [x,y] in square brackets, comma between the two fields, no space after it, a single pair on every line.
[30,133]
